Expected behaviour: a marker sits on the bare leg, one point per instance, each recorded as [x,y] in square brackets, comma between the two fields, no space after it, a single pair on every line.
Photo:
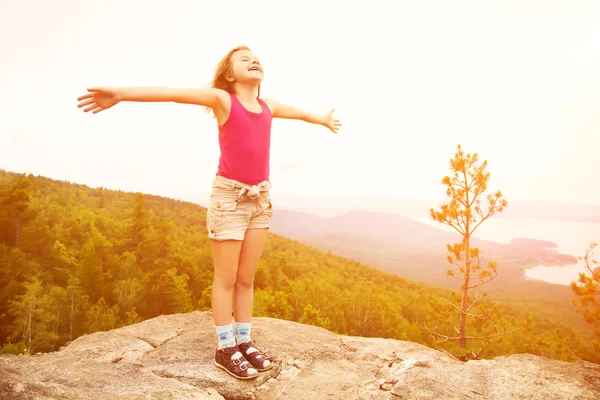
[252,248]
[226,255]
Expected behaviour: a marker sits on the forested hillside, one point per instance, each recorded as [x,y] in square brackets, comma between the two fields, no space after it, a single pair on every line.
[76,260]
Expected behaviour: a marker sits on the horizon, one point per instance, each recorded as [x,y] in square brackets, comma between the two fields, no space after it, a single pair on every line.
[399,205]
[291,201]
[516,83]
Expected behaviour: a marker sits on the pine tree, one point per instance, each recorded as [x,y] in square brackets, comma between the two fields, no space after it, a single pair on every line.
[24,308]
[78,303]
[14,201]
[467,209]
[587,289]
[140,222]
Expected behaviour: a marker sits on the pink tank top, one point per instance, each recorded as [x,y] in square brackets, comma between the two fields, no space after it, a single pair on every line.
[245,141]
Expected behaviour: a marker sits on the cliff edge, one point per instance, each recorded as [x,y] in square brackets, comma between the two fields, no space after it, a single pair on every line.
[171,357]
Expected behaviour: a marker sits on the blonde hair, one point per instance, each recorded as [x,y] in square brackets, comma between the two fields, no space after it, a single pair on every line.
[225,69]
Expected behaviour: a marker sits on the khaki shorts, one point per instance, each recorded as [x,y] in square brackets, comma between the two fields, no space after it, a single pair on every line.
[235,207]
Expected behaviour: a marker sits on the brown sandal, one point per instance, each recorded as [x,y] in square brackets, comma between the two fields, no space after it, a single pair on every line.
[238,367]
[257,357]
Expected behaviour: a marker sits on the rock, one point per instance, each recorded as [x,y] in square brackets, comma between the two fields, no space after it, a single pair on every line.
[171,357]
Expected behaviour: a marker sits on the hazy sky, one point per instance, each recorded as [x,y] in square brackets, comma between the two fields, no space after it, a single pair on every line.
[516,81]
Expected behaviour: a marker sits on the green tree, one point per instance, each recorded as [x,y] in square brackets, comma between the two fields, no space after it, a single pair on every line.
[24,307]
[36,239]
[312,316]
[361,310]
[38,315]
[15,268]
[154,252]
[90,272]
[169,294]
[92,268]
[102,317]
[63,263]
[467,209]
[139,222]
[126,292]
[55,310]
[587,289]
[262,276]
[298,298]
[47,318]
[14,200]
[273,305]
[132,317]
[78,304]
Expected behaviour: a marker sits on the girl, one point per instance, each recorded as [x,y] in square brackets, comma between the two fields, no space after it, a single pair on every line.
[239,208]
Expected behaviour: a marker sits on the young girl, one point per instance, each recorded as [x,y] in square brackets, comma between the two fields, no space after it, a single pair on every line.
[239,209]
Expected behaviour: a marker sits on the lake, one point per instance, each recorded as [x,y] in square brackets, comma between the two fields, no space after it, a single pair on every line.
[571,238]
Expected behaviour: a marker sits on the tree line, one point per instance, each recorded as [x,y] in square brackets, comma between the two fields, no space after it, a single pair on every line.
[76,260]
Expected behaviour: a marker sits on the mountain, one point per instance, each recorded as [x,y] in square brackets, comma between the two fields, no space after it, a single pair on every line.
[171,357]
[391,228]
[400,245]
[337,205]
[393,238]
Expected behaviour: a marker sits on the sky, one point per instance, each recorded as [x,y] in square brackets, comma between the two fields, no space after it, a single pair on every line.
[515,81]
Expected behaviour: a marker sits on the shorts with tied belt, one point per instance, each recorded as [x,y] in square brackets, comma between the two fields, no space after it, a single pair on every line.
[234,207]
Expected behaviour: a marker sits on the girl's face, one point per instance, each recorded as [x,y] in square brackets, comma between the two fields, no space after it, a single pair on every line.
[246,67]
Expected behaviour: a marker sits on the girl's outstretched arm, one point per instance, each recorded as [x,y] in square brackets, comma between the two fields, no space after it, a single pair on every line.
[280,110]
[101,98]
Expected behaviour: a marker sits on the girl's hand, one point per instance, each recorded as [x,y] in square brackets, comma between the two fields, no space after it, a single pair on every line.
[99,99]
[332,123]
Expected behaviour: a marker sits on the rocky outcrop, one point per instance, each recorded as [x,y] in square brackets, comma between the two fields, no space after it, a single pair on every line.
[171,357]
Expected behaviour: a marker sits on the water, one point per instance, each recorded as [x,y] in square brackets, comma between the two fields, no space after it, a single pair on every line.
[572,238]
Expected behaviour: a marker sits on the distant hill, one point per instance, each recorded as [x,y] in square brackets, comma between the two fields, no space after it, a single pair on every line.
[393,235]
[387,226]
[405,247]
[339,205]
